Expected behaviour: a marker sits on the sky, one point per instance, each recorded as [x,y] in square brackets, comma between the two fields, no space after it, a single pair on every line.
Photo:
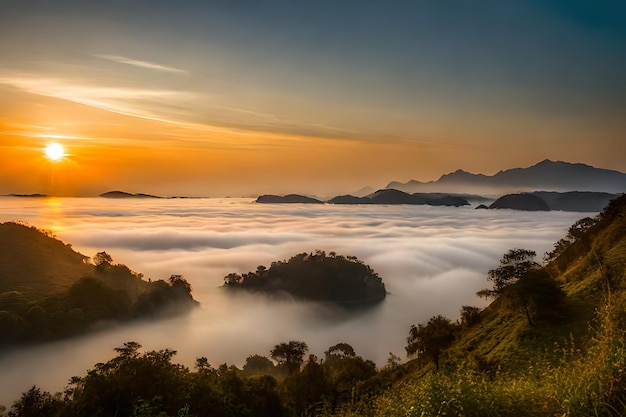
[240,98]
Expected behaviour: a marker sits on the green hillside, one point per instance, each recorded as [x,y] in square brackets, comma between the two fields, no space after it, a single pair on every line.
[48,290]
[32,261]
[566,357]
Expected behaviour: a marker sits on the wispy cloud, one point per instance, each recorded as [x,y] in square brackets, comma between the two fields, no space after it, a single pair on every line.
[142,64]
[121,100]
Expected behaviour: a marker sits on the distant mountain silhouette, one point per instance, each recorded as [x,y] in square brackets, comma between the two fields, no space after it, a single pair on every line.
[349,199]
[391,196]
[546,175]
[287,199]
[362,192]
[123,194]
[385,196]
[550,200]
[527,202]
[36,195]
[583,201]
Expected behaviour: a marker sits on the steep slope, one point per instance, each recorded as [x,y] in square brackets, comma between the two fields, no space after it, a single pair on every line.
[49,291]
[589,269]
[568,361]
[33,261]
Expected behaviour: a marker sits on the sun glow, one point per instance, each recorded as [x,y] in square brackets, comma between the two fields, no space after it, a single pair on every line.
[54,151]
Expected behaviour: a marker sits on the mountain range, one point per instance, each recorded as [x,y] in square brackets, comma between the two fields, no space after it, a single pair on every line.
[546,175]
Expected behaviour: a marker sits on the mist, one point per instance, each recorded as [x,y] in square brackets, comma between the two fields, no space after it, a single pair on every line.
[432,261]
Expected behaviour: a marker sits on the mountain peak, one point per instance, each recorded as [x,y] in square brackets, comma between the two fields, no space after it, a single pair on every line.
[545,175]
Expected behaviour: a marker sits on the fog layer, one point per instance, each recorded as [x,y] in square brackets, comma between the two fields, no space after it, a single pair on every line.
[432,261]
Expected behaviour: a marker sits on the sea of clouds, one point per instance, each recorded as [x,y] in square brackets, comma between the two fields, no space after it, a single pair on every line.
[432,261]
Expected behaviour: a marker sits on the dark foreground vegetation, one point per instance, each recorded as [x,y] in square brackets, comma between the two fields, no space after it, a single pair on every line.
[551,343]
[49,291]
[314,276]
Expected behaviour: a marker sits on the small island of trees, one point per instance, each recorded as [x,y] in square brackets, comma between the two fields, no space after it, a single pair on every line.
[314,276]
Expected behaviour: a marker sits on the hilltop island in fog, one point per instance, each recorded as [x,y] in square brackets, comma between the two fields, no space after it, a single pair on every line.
[581,201]
[123,194]
[316,276]
[386,196]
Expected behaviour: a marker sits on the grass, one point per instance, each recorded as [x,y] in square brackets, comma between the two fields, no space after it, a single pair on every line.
[579,383]
[571,363]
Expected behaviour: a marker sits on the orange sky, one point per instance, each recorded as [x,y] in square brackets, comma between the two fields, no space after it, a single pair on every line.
[237,110]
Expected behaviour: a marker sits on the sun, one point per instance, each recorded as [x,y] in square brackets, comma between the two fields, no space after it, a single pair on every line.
[55,151]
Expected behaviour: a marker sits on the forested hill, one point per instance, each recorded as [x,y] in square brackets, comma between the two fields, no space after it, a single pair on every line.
[315,276]
[48,290]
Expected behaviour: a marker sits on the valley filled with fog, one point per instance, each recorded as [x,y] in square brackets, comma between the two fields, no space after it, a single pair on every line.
[432,261]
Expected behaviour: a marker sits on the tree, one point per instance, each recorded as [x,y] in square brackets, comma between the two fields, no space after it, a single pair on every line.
[124,383]
[35,403]
[102,261]
[307,389]
[393,361]
[578,229]
[470,315]
[536,293]
[559,247]
[513,265]
[431,339]
[341,350]
[258,365]
[232,279]
[290,355]
[574,233]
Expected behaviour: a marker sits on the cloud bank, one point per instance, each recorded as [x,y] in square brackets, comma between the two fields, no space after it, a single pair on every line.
[432,260]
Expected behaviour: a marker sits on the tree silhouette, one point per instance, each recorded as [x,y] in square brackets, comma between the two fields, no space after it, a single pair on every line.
[102,260]
[536,293]
[470,315]
[290,355]
[430,339]
[258,365]
[513,265]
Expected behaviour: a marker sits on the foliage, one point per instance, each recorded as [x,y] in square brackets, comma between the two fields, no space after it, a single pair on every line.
[430,339]
[537,294]
[469,315]
[136,383]
[315,276]
[258,365]
[35,403]
[102,260]
[590,383]
[48,291]
[513,265]
[290,355]
[575,232]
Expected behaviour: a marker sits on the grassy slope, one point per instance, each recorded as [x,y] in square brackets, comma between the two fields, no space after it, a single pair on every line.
[49,291]
[34,262]
[569,363]
[38,265]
